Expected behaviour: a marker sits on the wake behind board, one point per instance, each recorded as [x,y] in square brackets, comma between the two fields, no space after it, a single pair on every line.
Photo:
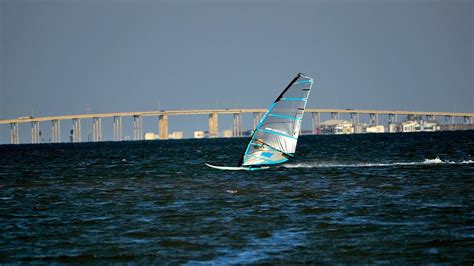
[237,168]
[274,139]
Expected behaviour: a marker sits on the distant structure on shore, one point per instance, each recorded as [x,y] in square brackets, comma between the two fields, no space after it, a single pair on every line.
[153,136]
[413,122]
[341,127]
[417,124]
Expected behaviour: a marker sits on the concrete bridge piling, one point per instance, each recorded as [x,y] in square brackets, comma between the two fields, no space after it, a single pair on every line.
[96,129]
[316,119]
[76,130]
[449,118]
[137,127]
[237,125]
[35,132]
[355,118]
[163,126]
[392,118]
[257,116]
[374,119]
[55,131]
[213,125]
[117,127]
[467,120]
[14,132]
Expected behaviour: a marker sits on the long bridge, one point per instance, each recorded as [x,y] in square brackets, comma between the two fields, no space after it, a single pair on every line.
[163,120]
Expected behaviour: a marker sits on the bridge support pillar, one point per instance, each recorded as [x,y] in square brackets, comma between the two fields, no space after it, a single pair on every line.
[374,119]
[55,131]
[213,125]
[96,129]
[117,128]
[237,129]
[430,117]
[392,118]
[35,132]
[256,119]
[14,133]
[334,116]
[76,130]
[467,120]
[355,118]
[137,126]
[316,119]
[163,126]
[449,118]
[371,119]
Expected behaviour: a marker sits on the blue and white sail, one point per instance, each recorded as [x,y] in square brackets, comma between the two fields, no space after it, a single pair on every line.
[275,137]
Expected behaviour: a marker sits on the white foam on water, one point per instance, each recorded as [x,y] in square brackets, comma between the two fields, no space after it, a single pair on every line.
[435,161]
[6,198]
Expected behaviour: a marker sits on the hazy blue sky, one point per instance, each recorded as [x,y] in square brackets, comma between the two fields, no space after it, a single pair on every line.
[58,56]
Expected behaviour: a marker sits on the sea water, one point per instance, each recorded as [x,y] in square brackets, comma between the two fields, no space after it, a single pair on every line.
[371,198]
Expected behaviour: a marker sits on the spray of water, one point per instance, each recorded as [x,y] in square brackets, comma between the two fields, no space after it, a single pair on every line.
[435,161]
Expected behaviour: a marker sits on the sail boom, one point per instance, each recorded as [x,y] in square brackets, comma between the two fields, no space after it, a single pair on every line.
[270,147]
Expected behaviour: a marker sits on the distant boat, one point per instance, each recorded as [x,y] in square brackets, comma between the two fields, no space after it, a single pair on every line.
[275,137]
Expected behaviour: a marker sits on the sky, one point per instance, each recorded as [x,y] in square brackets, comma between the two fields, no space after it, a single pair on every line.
[57,57]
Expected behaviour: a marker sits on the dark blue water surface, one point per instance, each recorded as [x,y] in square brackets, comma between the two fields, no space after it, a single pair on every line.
[374,198]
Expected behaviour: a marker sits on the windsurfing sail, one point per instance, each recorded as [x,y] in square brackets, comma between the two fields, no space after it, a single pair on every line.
[275,137]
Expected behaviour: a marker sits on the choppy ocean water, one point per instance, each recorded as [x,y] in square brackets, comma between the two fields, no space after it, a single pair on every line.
[399,198]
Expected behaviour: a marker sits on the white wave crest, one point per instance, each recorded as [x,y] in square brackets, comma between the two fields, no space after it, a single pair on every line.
[436,160]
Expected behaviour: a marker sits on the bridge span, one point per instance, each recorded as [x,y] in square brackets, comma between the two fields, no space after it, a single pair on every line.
[163,120]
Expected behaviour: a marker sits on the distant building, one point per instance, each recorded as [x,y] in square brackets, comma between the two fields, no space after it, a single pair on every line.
[336,127]
[394,127]
[457,127]
[153,136]
[360,128]
[409,126]
[150,136]
[375,129]
[430,126]
[199,134]
[420,126]
[176,135]
[227,134]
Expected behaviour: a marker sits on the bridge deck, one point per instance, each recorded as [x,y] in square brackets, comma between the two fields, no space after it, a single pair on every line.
[223,111]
